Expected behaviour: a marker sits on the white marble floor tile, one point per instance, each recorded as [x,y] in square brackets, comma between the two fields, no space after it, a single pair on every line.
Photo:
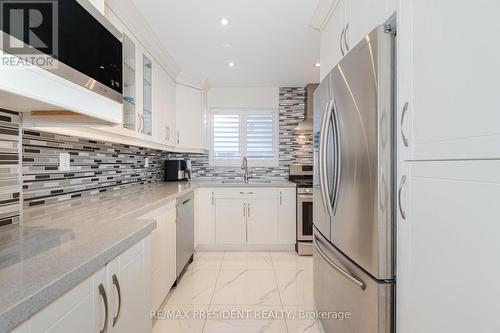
[180,319]
[291,261]
[246,287]
[247,260]
[195,287]
[301,319]
[207,260]
[295,287]
[209,254]
[246,319]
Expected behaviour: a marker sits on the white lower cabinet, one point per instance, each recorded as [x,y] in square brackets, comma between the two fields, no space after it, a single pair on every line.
[79,310]
[287,216]
[205,227]
[115,299]
[448,247]
[246,216]
[129,281]
[262,221]
[163,253]
[230,221]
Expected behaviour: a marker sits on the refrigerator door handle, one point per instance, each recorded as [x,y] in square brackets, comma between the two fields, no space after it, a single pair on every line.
[322,160]
[354,279]
[338,157]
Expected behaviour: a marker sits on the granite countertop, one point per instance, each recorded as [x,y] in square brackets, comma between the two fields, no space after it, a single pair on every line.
[60,245]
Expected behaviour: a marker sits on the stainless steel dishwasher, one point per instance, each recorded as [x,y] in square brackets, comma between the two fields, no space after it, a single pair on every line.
[185,232]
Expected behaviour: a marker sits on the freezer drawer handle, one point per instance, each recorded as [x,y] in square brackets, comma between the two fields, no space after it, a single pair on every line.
[354,279]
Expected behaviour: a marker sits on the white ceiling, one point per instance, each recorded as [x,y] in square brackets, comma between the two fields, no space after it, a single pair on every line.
[271,42]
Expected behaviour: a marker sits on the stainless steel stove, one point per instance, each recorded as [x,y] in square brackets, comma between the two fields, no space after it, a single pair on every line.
[302,175]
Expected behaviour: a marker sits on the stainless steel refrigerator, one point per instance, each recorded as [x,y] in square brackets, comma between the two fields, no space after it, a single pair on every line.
[353,189]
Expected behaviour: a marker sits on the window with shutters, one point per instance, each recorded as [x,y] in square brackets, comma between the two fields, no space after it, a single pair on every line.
[236,134]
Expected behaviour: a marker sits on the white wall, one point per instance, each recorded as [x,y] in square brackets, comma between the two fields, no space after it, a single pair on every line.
[244,97]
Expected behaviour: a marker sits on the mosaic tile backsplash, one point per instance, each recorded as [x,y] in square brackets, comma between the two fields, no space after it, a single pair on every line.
[95,167]
[10,189]
[102,166]
[292,147]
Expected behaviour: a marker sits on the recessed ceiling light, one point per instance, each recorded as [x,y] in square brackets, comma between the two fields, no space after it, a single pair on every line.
[231,64]
[225,45]
[317,65]
[224,21]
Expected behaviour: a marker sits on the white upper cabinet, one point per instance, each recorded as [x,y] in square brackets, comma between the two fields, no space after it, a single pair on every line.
[189,117]
[349,22]
[362,17]
[332,38]
[164,128]
[404,105]
[455,100]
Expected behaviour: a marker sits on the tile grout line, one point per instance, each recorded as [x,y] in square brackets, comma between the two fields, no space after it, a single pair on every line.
[213,292]
[279,292]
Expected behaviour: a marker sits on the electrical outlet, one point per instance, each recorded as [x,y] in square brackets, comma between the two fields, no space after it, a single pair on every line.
[146,162]
[64,162]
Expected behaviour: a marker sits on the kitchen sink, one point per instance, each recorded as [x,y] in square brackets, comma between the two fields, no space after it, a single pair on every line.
[260,182]
[236,181]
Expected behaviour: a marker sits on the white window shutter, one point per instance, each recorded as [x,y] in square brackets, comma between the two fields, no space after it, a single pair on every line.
[260,137]
[236,134]
[226,137]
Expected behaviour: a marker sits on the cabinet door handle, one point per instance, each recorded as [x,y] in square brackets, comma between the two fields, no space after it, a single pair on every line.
[249,192]
[248,210]
[178,136]
[244,210]
[341,40]
[119,291]
[281,198]
[347,48]
[102,292]
[212,198]
[401,185]
[403,117]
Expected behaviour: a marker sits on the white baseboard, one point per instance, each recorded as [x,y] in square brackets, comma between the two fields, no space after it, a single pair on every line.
[245,247]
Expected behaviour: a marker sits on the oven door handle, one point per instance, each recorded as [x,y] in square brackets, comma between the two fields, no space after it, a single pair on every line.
[305,196]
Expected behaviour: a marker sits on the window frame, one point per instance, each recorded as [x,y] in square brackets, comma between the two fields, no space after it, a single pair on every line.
[243,113]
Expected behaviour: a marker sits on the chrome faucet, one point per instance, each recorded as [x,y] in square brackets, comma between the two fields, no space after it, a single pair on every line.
[244,166]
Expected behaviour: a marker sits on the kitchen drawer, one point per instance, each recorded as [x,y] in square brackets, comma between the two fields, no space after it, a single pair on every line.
[246,192]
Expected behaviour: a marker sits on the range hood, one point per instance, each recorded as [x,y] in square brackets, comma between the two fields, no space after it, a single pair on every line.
[307,125]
